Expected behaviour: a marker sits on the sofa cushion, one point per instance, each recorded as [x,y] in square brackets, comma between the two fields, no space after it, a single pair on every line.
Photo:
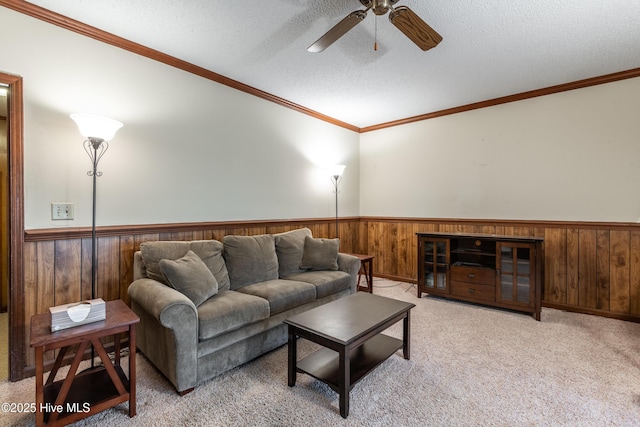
[282,294]
[190,276]
[326,282]
[228,311]
[209,251]
[320,254]
[289,249]
[250,259]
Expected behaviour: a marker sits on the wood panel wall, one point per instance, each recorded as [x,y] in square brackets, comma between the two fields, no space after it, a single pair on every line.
[57,263]
[589,267]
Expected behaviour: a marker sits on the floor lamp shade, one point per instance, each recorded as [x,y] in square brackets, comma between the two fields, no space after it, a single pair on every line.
[96,127]
[336,171]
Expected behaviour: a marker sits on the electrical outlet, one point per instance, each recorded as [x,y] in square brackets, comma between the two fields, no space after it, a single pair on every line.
[61,211]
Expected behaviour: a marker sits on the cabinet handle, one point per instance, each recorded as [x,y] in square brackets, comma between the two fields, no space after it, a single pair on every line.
[472,291]
[471,275]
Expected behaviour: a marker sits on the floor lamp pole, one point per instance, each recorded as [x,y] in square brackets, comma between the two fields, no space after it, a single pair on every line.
[337,229]
[94,256]
[336,180]
[95,148]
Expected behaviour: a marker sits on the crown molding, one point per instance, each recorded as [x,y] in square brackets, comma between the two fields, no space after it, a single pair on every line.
[105,37]
[608,78]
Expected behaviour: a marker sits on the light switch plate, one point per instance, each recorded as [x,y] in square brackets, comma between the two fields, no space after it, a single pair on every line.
[61,210]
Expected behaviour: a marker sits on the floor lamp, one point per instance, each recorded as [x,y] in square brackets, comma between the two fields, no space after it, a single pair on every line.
[98,131]
[336,176]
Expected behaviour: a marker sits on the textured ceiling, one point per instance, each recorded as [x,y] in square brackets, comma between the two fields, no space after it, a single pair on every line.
[491,48]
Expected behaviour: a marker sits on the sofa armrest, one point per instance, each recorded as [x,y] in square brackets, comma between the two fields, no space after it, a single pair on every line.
[350,264]
[168,330]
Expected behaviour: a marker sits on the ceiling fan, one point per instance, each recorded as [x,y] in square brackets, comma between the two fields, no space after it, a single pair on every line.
[402,17]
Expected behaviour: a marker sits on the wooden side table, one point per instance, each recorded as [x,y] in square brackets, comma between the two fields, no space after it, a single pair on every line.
[366,268]
[94,390]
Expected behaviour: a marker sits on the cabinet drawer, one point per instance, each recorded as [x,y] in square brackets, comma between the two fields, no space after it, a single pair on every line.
[483,276]
[472,290]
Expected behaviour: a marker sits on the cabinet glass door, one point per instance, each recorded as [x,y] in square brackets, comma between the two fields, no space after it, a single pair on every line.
[516,278]
[435,262]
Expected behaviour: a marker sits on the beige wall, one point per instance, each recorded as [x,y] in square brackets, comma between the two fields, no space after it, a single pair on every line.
[193,150]
[569,156]
[190,150]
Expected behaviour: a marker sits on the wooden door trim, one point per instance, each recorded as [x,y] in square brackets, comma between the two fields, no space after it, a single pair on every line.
[16,226]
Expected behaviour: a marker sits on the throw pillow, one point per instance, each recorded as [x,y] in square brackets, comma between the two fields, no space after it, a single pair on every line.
[154,252]
[190,276]
[320,254]
[250,259]
[209,251]
[289,248]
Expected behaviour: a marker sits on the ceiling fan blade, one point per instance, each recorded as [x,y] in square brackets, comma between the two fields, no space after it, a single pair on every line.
[339,30]
[414,27]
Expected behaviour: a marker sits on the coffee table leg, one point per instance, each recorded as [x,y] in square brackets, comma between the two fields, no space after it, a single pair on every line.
[345,380]
[293,355]
[406,339]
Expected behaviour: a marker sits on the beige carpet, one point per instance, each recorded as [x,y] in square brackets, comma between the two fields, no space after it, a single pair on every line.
[470,366]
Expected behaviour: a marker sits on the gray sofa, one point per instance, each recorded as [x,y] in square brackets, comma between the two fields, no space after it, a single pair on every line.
[208,306]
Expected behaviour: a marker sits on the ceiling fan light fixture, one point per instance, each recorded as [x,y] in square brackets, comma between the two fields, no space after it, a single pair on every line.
[380,7]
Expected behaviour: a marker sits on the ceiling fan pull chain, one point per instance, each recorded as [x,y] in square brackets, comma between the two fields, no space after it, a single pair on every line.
[375,33]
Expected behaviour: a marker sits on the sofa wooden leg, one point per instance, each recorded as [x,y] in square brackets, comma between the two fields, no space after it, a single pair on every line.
[187,391]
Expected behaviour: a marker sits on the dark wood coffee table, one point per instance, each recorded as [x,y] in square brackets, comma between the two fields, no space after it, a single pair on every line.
[350,330]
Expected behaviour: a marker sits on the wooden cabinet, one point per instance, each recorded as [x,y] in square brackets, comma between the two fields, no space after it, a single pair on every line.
[502,271]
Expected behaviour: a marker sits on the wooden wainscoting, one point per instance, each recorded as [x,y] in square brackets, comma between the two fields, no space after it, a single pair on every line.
[588,267]
[58,261]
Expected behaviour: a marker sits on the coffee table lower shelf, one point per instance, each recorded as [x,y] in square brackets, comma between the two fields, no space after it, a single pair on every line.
[323,365]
